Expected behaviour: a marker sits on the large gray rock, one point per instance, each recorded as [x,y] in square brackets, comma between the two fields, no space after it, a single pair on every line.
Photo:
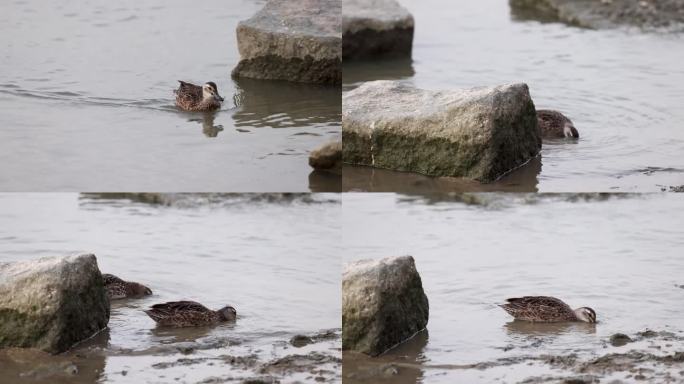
[479,133]
[51,303]
[376,28]
[650,15]
[298,41]
[327,157]
[383,304]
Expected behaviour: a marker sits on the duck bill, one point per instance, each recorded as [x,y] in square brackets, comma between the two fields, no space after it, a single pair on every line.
[219,98]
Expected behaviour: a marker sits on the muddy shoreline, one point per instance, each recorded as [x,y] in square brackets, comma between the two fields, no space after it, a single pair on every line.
[660,358]
[319,360]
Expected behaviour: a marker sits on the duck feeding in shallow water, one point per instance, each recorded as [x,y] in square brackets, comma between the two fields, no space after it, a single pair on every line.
[189,314]
[555,125]
[193,98]
[546,309]
[120,289]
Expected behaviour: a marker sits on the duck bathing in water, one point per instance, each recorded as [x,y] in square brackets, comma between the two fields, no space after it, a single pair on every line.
[545,309]
[554,125]
[189,314]
[193,98]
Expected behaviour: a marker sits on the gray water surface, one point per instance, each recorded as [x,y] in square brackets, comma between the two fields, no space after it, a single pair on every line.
[620,255]
[275,259]
[86,102]
[623,89]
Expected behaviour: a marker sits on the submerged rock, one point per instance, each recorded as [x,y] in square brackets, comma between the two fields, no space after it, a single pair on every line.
[297,41]
[479,133]
[650,15]
[383,304]
[51,303]
[327,157]
[301,340]
[375,28]
[620,339]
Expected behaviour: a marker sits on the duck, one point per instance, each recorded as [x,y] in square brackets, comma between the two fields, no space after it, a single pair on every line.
[120,289]
[553,124]
[193,98]
[189,314]
[546,309]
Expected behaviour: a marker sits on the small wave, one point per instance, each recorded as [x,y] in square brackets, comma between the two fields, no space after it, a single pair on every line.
[211,200]
[81,98]
[648,171]
[504,200]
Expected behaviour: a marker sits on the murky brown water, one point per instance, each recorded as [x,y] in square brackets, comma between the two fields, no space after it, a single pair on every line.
[620,255]
[276,259]
[623,90]
[86,103]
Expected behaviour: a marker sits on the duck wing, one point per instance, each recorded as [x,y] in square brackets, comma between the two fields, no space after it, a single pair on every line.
[111,279]
[189,89]
[180,306]
[181,313]
[188,92]
[538,308]
[549,118]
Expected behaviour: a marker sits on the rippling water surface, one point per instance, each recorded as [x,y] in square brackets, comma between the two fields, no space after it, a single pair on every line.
[274,259]
[86,102]
[619,255]
[622,89]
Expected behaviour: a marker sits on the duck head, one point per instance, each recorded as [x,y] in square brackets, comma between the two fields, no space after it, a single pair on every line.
[137,289]
[228,313]
[570,131]
[586,314]
[209,90]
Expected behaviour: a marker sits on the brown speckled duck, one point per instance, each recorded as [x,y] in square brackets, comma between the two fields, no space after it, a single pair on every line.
[554,124]
[120,289]
[193,98]
[189,314]
[545,309]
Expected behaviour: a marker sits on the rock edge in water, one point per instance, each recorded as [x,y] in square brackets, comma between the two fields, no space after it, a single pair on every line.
[480,134]
[298,41]
[376,28]
[51,303]
[327,157]
[383,304]
[649,15]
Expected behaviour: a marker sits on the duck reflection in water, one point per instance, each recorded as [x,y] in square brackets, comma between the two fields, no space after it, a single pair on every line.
[208,127]
[527,328]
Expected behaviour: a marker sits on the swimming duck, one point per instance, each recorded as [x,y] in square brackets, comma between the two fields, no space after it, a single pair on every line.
[189,314]
[554,124]
[193,98]
[119,289]
[546,309]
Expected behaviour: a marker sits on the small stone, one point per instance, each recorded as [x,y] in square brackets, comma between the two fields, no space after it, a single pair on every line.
[300,341]
[71,369]
[620,339]
[327,157]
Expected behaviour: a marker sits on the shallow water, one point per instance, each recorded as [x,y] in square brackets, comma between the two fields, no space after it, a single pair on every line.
[86,102]
[620,255]
[282,276]
[622,89]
